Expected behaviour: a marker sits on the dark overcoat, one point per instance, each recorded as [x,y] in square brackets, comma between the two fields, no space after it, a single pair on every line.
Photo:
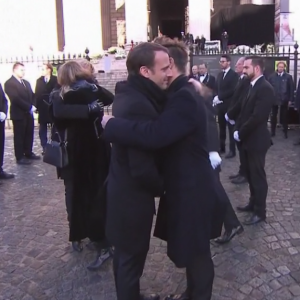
[190,185]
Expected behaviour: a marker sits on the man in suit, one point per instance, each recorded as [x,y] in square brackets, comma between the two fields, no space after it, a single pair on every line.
[226,83]
[233,114]
[21,113]
[44,86]
[134,180]
[297,107]
[195,73]
[283,85]
[206,78]
[3,115]
[187,174]
[251,131]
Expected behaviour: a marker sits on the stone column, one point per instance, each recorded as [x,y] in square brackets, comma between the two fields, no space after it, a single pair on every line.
[199,18]
[82,24]
[106,23]
[136,16]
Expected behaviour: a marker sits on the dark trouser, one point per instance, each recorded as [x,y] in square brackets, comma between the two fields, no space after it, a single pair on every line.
[69,185]
[230,220]
[23,136]
[200,277]
[2,143]
[283,117]
[43,134]
[223,124]
[242,171]
[128,269]
[256,176]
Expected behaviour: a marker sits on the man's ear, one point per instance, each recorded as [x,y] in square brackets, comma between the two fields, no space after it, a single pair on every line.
[172,64]
[144,71]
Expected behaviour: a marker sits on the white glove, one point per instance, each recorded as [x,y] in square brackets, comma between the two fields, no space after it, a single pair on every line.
[2,116]
[215,159]
[216,101]
[33,109]
[105,119]
[232,122]
[236,136]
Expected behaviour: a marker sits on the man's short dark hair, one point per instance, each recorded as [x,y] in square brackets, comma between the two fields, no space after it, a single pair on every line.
[16,64]
[256,61]
[177,51]
[143,55]
[226,56]
[204,64]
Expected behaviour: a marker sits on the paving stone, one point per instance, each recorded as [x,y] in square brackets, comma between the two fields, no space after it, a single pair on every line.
[36,260]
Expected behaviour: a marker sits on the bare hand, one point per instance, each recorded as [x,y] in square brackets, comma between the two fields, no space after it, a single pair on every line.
[202,89]
[105,119]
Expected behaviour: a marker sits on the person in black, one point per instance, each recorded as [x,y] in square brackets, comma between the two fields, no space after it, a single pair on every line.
[297,107]
[21,113]
[225,87]
[195,73]
[3,116]
[251,131]
[206,78]
[202,43]
[44,86]
[283,85]
[184,217]
[233,114]
[224,41]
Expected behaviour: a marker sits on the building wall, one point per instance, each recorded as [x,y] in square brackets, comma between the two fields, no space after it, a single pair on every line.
[117,16]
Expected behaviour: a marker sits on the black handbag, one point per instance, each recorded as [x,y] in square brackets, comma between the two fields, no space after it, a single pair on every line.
[56,152]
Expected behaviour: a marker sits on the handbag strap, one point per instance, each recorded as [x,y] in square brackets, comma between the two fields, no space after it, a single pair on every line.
[59,137]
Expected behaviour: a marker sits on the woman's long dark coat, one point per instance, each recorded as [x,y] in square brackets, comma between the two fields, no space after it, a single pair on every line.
[89,157]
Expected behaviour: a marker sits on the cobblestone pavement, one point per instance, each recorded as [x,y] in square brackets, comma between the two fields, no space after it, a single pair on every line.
[36,261]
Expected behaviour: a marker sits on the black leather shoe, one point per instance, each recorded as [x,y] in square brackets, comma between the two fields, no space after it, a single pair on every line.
[228,236]
[230,155]
[239,180]
[33,156]
[23,161]
[149,297]
[77,246]
[254,219]
[246,208]
[234,176]
[182,296]
[4,175]
[102,257]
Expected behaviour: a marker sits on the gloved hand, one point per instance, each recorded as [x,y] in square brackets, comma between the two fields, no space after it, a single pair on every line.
[216,101]
[96,107]
[215,159]
[32,109]
[2,116]
[232,122]
[236,136]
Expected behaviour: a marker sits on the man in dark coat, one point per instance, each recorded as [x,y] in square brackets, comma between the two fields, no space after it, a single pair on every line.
[44,86]
[134,179]
[297,107]
[3,116]
[190,184]
[226,82]
[251,130]
[206,78]
[21,113]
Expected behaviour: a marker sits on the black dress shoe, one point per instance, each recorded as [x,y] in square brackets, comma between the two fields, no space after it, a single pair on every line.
[23,161]
[254,219]
[33,156]
[239,180]
[4,175]
[77,246]
[234,176]
[102,257]
[149,297]
[183,296]
[230,155]
[246,208]
[228,236]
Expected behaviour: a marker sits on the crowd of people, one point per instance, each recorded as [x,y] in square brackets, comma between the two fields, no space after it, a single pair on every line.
[161,141]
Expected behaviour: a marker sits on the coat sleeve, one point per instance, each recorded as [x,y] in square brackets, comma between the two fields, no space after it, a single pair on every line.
[177,121]
[230,88]
[297,98]
[261,112]
[212,129]
[291,88]
[3,101]
[105,96]
[14,98]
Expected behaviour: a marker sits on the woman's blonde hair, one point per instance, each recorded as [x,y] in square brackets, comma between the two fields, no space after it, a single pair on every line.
[86,65]
[69,73]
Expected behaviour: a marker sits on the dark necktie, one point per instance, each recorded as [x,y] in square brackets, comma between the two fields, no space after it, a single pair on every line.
[23,83]
[249,92]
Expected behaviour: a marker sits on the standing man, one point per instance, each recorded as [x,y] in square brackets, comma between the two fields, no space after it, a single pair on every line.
[224,41]
[226,84]
[134,180]
[21,113]
[232,115]
[44,86]
[195,73]
[3,116]
[206,78]
[252,133]
[283,85]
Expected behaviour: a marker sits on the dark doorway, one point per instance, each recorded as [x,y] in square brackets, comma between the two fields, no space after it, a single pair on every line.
[172,28]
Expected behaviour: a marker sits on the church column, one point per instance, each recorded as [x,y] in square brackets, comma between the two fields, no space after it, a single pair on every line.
[106,23]
[60,25]
[199,18]
[136,16]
